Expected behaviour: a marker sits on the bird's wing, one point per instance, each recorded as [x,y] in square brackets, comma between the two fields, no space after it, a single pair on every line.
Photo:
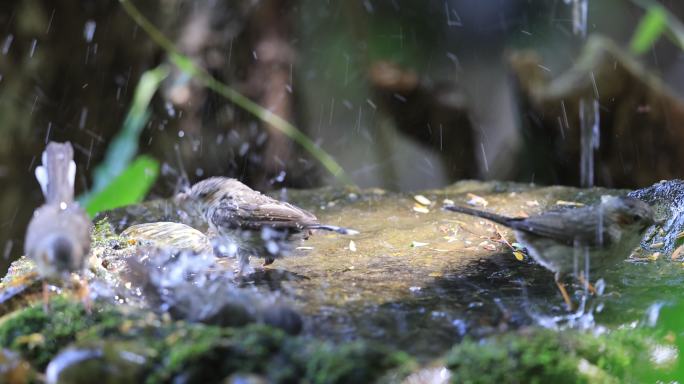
[567,226]
[265,212]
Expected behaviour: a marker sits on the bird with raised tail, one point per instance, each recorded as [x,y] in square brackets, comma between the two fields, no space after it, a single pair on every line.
[58,235]
[260,225]
[609,230]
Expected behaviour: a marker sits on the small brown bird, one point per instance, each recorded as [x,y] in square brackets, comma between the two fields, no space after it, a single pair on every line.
[58,236]
[609,230]
[260,225]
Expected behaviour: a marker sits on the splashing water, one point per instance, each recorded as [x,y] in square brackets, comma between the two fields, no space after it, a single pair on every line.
[589,119]
[579,17]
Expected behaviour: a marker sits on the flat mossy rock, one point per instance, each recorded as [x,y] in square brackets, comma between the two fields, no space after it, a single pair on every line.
[109,339]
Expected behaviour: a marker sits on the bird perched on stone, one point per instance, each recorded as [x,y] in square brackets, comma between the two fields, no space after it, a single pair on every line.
[609,230]
[258,224]
[58,236]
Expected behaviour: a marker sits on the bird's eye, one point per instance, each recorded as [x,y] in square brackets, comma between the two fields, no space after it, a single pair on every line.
[636,217]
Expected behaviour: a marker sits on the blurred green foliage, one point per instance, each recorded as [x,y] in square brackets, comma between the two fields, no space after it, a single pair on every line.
[117,181]
[656,22]
[651,26]
[129,187]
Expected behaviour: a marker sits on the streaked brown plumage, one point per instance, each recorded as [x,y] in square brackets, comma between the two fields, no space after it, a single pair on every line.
[262,226]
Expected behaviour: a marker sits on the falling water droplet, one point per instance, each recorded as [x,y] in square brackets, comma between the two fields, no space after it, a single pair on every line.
[34,44]
[7,44]
[83,118]
[89,30]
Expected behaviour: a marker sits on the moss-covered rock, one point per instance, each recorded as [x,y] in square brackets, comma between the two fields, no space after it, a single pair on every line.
[171,351]
[546,356]
[214,353]
[38,335]
[110,362]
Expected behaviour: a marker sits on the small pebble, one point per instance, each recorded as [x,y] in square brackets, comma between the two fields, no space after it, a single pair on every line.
[420,199]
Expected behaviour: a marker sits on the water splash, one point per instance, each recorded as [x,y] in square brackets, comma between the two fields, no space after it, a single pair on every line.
[579,17]
[589,119]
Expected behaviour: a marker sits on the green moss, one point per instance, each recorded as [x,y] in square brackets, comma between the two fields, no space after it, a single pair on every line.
[357,362]
[104,236]
[205,354]
[179,351]
[541,356]
[38,335]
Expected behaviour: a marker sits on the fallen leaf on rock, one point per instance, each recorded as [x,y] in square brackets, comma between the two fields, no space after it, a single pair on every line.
[519,255]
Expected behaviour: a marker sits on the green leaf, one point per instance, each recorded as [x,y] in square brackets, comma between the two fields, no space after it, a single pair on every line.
[130,187]
[650,28]
[125,145]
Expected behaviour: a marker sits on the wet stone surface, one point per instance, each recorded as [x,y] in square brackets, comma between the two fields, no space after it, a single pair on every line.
[416,278]
[419,278]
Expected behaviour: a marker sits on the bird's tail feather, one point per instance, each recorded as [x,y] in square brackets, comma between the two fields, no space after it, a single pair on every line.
[333,228]
[503,220]
[57,173]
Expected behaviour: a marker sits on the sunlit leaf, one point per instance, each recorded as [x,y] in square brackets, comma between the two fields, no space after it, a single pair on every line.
[650,28]
[674,29]
[130,187]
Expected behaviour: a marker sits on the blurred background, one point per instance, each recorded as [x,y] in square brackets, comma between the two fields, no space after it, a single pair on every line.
[405,95]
